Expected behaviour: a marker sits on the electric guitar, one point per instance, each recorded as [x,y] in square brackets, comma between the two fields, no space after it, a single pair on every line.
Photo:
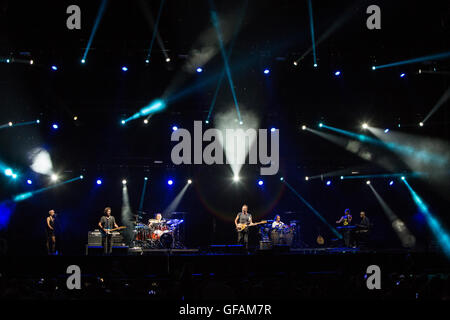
[243,226]
[108,231]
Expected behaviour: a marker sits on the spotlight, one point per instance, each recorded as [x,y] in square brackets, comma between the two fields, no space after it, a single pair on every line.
[399,125]
[373,67]
[10,124]
[306,178]
[99,181]
[31,62]
[170,182]
[38,121]
[281,178]
[167,59]
[260,182]
[368,182]
[365,125]
[145,178]
[206,121]
[315,65]
[8,60]
[147,61]
[386,130]
[266,71]
[145,121]
[8,172]
[320,125]
[189,181]
[342,177]
[81,177]
[124,181]
[54,177]
[391,183]
[403,177]
[303,127]
[337,73]
[55,126]
[272,130]
[199,70]
[295,63]
[83,61]
[241,123]
[236,178]
[29,181]
[421,124]
[54,68]
[402,75]
[174,128]
[328,182]
[124,69]
[122,122]
[75,118]
[14,176]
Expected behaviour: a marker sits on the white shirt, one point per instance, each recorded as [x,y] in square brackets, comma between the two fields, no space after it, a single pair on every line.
[276,224]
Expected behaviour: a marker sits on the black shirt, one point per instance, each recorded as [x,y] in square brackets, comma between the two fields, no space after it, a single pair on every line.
[365,223]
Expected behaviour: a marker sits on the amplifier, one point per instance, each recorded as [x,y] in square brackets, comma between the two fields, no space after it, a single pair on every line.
[94,238]
[265,245]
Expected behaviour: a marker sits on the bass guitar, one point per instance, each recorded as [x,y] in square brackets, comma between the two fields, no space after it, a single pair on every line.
[243,226]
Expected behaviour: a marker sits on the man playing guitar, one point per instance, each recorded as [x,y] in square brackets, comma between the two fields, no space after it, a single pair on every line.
[107,223]
[243,219]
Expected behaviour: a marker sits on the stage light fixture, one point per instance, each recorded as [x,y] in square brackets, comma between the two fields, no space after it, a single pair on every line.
[147,61]
[167,59]
[170,182]
[145,121]
[328,182]
[81,177]
[124,69]
[189,181]
[402,75]
[272,130]
[241,123]
[38,121]
[236,178]
[266,71]
[29,181]
[206,121]
[99,181]
[403,177]
[145,178]
[295,63]
[306,178]
[54,68]
[315,65]
[365,125]
[320,125]
[199,70]
[281,179]
[122,122]
[124,181]
[337,73]
[421,124]
[8,60]
[55,126]
[260,182]
[75,118]
[8,172]
[342,177]
[83,61]
[10,124]
[386,130]
[54,177]
[174,128]
[373,67]
[31,62]
[303,127]
[368,182]
[14,176]
[391,182]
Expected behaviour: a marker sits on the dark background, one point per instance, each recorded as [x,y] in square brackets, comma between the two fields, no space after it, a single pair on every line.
[273,34]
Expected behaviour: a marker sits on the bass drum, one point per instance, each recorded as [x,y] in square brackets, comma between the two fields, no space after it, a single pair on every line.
[167,240]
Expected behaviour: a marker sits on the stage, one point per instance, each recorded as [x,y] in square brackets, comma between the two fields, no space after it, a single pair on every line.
[333,273]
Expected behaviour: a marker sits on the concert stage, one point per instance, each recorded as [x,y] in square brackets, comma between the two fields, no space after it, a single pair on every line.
[204,275]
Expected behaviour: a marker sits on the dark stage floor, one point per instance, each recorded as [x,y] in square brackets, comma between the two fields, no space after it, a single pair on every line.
[203,275]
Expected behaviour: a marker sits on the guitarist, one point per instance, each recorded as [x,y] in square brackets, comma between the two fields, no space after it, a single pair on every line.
[243,217]
[107,222]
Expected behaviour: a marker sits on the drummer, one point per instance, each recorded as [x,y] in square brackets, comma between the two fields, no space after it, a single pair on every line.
[277,223]
[158,219]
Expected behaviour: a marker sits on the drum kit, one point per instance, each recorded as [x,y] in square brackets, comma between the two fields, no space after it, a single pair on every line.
[157,234]
[284,234]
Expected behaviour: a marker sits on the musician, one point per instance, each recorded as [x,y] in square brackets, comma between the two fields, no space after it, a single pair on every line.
[107,222]
[243,217]
[50,232]
[362,234]
[158,219]
[277,222]
[346,220]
